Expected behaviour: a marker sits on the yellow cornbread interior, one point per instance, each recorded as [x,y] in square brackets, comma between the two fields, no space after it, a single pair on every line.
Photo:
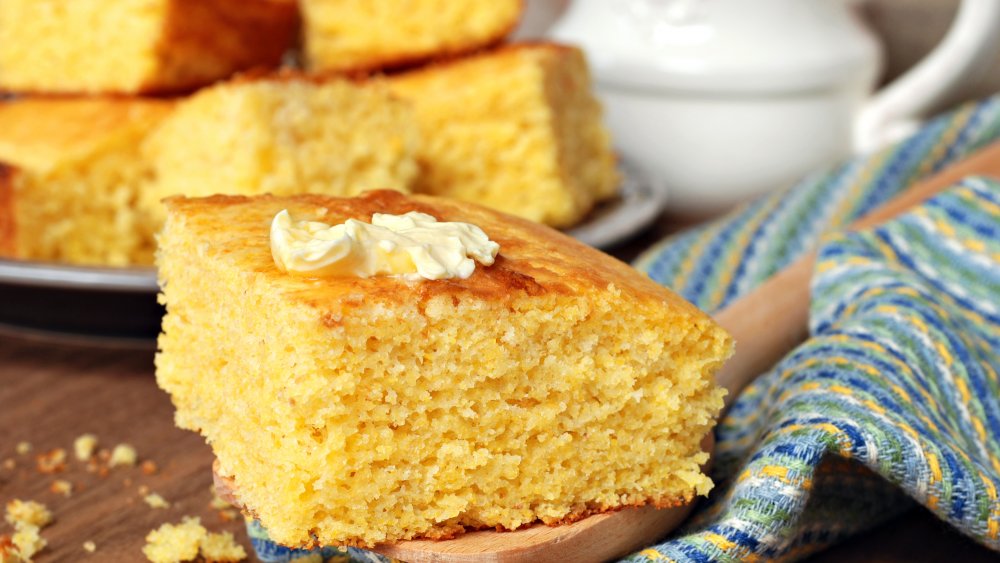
[353,34]
[283,136]
[48,45]
[356,412]
[532,144]
[76,179]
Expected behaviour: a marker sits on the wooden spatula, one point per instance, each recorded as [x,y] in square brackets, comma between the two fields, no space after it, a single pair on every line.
[766,323]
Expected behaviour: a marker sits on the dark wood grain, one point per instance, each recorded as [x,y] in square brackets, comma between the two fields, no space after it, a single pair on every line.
[49,395]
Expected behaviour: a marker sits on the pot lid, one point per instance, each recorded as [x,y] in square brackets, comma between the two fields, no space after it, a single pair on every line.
[721,45]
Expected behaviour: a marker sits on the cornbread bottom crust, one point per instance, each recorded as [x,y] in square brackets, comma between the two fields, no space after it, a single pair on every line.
[227,490]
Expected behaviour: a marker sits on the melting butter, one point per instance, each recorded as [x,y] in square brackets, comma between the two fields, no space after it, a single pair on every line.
[412,246]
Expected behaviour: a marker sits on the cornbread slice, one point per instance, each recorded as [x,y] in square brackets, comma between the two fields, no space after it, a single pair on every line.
[283,134]
[138,46]
[556,383]
[516,129]
[70,176]
[372,34]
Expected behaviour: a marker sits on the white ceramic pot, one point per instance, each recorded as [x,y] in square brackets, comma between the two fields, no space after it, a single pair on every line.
[726,99]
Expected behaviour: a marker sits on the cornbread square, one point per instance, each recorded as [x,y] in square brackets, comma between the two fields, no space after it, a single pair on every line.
[344,35]
[516,129]
[70,177]
[556,383]
[138,46]
[283,134]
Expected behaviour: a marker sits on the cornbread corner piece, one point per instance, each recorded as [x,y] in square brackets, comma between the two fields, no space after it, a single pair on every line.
[70,177]
[345,35]
[138,46]
[531,143]
[284,133]
[556,383]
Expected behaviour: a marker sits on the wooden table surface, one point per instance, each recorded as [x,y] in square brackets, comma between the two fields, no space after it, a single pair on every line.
[50,394]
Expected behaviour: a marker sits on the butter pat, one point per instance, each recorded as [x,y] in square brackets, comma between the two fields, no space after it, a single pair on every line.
[411,246]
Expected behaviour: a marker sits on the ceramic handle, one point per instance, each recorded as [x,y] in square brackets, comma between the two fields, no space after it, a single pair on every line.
[894,112]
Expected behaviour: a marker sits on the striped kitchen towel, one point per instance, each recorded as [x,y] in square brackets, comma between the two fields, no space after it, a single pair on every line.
[895,397]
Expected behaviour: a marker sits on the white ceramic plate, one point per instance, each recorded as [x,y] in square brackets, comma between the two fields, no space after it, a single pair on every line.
[639,201]
[117,306]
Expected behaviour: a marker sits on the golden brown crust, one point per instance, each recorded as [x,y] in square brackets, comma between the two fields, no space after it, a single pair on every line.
[8,224]
[207,40]
[533,259]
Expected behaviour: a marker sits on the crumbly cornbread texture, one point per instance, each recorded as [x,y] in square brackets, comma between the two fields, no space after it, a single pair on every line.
[171,543]
[531,143]
[556,383]
[283,134]
[70,177]
[371,34]
[138,46]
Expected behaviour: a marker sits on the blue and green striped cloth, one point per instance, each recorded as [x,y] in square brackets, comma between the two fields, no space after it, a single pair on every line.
[895,398]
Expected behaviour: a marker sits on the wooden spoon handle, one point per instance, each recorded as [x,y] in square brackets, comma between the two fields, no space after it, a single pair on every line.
[773,318]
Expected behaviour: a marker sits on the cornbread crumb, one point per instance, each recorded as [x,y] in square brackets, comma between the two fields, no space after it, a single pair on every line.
[123,454]
[148,467]
[23,448]
[27,513]
[222,548]
[89,546]
[143,490]
[52,461]
[156,501]
[9,463]
[171,543]
[228,514]
[8,551]
[61,487]
[84,446]
[28,541]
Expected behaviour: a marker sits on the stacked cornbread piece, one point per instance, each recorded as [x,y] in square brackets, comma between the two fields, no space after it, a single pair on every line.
[138,46]
[282,134]
[530,143]
[555,383]
[73,177]
[418,100]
